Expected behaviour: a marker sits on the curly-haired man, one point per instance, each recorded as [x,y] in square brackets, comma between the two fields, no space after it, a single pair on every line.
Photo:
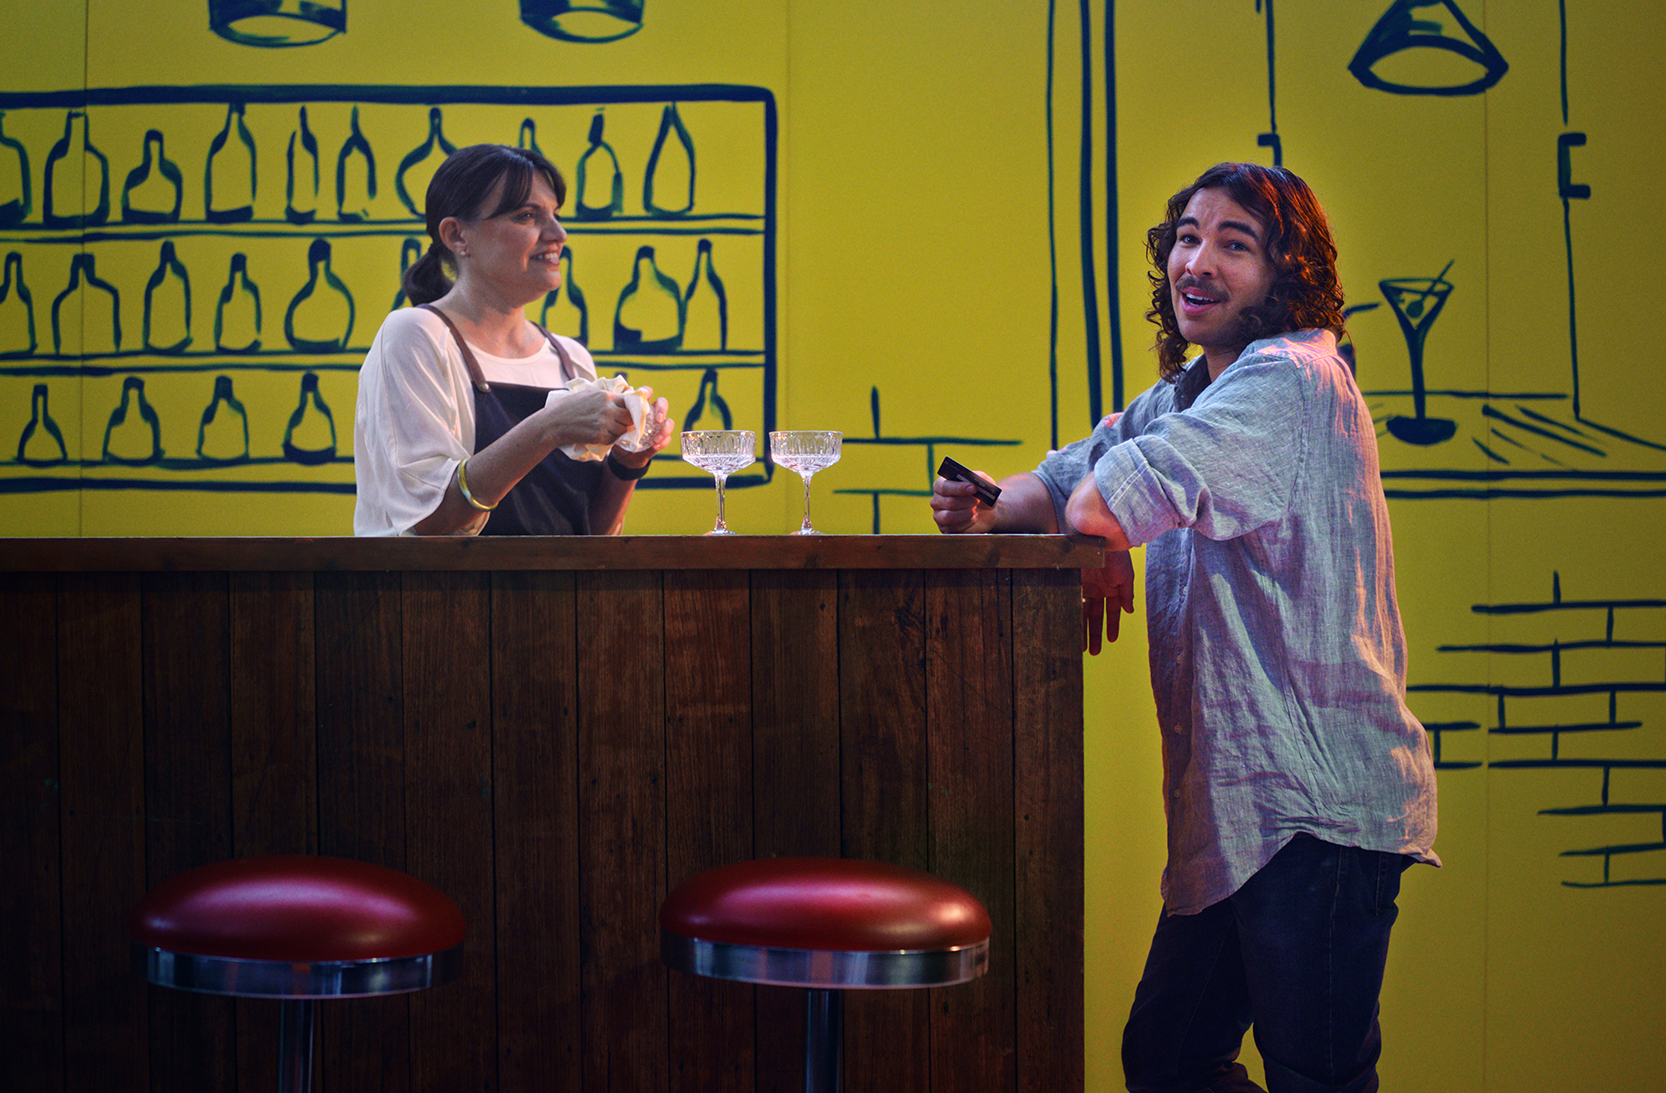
[1296,783]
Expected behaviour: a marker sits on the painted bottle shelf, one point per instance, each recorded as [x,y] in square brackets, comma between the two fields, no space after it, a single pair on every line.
[199,264]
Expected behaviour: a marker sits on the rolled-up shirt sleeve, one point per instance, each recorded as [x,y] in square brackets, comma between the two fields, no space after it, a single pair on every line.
[1224,466]
[1062,470]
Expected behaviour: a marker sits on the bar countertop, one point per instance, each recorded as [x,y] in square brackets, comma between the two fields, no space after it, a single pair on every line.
[623,552]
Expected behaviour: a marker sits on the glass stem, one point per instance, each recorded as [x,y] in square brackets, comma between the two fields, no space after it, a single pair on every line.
[806,527]
[721,480]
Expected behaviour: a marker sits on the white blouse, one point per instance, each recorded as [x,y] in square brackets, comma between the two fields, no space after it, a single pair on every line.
[414,420]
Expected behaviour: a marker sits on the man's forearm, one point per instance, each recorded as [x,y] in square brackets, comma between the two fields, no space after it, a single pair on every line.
[1025,506]
[1087,512]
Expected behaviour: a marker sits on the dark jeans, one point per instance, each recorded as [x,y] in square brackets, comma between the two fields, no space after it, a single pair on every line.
[1298,951]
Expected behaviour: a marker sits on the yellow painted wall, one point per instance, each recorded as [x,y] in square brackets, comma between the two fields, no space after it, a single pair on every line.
[931,294]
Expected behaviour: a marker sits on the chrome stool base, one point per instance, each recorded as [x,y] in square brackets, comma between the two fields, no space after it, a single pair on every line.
[296,928]
[821,924]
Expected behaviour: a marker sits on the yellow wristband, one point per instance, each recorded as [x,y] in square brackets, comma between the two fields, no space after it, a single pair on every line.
[463,484]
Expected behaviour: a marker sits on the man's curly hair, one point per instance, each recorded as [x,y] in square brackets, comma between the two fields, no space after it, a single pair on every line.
[1306,293]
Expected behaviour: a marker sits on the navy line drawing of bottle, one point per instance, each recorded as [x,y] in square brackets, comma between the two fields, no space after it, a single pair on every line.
[1399,30]
[66,191]
[420,163]
[231,159]
[83,278]
[167,323]
[353,150]
[707,399]
[16,330]
[668,186]
[583,20]
[410,249]
[154,190]
[311,436]
[134,434]
[649,318]
[42,442]
[705,305]
[301,200]
[272,24]
[16,201]
[600,184]
[527,138]
[223,433]
[314,322]
[564,309]
[237,314]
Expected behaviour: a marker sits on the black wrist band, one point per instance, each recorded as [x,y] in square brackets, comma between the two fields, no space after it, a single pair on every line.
[624,473]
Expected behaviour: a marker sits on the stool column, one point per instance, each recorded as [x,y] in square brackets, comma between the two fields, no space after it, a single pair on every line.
[824,1038]
[295,1031]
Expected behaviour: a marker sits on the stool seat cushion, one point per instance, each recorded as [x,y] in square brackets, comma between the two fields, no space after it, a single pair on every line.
[299,909]
[825,904]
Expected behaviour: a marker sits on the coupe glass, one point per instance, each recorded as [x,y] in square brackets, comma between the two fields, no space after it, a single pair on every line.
[805,452]
[721,452]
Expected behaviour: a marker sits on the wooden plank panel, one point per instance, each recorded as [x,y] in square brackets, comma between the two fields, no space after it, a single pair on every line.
[363,1043]
[274,714]
[535,807]
[274,755]
[969,699]
[187,799]
[621,695]
[1048,952]
[31,969]
[709,803]
[448,810]
[795,698]
[882,698]
[101,755]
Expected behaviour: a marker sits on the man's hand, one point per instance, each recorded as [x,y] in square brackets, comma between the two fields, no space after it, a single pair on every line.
[1025,507]
[1106,592]
[956,508]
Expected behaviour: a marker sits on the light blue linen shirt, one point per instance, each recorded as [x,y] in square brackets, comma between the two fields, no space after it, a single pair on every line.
[1278,658]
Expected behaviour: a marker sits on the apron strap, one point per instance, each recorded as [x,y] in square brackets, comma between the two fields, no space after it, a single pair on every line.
[568,369]
[473,365]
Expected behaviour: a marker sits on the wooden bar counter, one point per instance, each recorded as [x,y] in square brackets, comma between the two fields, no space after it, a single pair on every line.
[555,732]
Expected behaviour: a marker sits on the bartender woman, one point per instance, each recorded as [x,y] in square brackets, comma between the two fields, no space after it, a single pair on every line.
[456,431]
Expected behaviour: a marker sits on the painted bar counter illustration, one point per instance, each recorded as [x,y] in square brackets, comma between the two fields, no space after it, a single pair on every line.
[555,733]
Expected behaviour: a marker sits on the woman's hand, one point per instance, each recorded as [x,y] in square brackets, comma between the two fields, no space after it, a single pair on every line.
[587,417]
[660,429]
[1106,592]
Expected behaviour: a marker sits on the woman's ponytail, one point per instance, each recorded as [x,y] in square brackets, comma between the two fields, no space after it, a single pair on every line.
[426,280]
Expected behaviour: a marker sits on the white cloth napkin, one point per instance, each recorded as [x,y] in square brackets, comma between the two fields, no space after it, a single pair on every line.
[642,416]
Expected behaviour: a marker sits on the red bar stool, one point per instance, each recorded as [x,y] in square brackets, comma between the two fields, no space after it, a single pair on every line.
[829,925]
[296,928]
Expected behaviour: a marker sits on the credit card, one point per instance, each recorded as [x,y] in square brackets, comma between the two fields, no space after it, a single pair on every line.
[953,471]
